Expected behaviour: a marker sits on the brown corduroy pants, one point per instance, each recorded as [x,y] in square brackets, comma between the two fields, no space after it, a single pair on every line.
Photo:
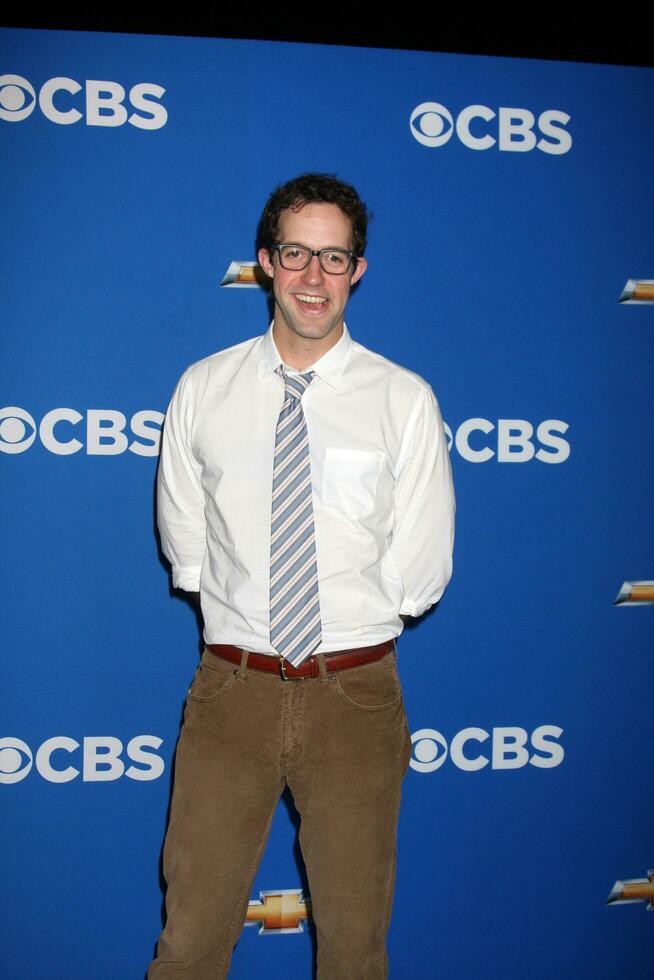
[340,742]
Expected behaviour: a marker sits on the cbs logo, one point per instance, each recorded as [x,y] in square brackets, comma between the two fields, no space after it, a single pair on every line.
[101,759]
[508,748]
[104,431]
[432,124]
[102,103]
[513,440]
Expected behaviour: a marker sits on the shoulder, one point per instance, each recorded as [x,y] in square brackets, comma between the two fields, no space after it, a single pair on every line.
[376,367]
[227,360]
[216,367]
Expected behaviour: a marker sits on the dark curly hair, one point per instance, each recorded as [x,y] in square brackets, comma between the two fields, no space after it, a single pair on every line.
[319,189]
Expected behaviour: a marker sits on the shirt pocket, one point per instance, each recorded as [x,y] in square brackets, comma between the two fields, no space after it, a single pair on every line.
[350,480]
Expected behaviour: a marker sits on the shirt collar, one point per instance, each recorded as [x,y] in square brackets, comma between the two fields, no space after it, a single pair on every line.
[329,367]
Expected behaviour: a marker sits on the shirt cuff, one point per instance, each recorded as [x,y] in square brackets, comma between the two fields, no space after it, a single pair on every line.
[409,608]
[187,579]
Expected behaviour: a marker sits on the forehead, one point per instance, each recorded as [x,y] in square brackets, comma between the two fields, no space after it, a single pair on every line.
[317,225]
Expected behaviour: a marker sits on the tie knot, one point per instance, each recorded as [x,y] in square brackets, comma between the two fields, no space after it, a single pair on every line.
[295,384]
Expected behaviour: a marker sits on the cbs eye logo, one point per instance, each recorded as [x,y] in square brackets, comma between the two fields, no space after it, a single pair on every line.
[15,425]
[431,124]
[13,767]
[429,750]
[17,98]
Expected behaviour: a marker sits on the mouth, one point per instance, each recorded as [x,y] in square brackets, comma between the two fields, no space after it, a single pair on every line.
[309,303]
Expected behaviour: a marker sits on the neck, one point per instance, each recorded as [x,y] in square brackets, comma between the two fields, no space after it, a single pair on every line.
[300,352]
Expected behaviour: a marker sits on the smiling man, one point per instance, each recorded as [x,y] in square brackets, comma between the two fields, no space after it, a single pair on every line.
[305,492]
[309,299]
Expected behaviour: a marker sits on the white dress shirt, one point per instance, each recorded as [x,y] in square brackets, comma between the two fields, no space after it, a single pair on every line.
[382,492]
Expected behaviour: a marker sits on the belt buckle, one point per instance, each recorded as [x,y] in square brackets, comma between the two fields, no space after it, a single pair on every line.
[282,671]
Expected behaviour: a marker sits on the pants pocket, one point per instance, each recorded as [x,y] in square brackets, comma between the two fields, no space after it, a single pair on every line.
[371,687]
[212,678]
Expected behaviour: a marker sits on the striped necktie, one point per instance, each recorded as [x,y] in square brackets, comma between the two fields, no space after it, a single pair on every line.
[295,630]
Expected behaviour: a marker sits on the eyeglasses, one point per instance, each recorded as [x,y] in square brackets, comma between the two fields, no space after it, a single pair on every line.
[295,258]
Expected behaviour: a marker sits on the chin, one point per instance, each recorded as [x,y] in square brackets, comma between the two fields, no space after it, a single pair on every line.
[315,331]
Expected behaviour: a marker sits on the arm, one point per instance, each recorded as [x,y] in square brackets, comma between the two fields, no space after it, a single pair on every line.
[423,532]
[180,499]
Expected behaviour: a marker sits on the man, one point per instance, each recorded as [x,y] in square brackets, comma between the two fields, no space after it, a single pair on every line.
[305,490]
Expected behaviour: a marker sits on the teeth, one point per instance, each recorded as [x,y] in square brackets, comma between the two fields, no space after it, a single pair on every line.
[316,300]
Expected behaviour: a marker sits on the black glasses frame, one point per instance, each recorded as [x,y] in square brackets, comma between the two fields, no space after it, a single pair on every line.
[278,246]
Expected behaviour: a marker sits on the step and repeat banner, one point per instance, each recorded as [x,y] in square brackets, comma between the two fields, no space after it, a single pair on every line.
[511,264]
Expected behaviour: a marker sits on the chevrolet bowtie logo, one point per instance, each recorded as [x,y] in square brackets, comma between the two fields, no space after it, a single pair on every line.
[635,594]
[638,291]
[633,890]
[248,275]
[279,911]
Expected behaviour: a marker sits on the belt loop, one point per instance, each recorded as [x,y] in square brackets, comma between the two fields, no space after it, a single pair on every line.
[242,670]
[322,669]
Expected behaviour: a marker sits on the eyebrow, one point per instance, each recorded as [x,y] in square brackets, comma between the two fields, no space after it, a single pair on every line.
[323,248]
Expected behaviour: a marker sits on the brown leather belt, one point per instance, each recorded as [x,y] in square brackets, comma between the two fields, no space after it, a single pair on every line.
[338,660]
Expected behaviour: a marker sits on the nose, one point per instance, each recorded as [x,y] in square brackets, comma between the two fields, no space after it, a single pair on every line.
[313,272]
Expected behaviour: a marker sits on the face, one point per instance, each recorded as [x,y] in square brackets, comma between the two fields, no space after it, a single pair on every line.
[309,305]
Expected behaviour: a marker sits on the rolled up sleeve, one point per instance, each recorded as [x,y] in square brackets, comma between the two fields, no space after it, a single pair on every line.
[180,498]
[424,506]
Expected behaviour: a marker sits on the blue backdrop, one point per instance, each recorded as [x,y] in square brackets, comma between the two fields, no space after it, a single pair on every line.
[512,202]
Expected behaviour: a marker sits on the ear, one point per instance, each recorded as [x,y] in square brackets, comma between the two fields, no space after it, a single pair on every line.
[265,262]
[362,265]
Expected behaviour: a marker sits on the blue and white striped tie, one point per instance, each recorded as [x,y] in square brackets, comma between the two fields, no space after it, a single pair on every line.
[295,630]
